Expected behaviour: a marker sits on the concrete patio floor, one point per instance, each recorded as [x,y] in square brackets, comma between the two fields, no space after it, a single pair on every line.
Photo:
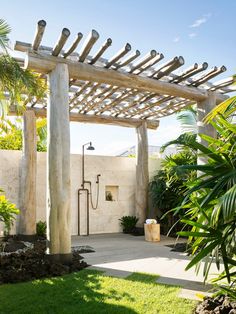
[121,254]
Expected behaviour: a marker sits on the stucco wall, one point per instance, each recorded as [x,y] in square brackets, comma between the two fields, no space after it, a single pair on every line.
[115,171]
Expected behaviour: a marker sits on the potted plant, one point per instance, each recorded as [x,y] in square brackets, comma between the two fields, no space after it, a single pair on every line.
[152,230]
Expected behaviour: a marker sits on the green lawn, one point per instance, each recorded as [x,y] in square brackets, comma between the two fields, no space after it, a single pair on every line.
[89,291]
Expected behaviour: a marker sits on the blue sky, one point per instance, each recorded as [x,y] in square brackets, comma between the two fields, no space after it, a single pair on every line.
[200,31]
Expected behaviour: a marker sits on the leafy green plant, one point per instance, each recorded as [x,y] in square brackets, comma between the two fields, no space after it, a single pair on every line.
[11,134]
[128,223]
[210,203]
[41,228]
[8,211]
[21,86]
[167,187]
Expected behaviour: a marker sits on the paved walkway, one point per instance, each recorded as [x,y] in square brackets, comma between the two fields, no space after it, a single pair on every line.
[120,255]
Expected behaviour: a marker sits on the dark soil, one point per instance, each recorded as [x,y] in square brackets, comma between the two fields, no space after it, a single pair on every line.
[218,305]
[33,263]
[12,245]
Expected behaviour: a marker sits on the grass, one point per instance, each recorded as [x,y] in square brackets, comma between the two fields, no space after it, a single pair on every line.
[90,291]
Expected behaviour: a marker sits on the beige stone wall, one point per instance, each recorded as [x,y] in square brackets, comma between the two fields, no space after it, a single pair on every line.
[118,172]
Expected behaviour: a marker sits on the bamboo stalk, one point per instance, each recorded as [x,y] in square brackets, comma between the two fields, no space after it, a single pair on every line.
[164,72]
[164,65]
[86,96]
[158,58]
[166,111]
[213,73]
[88,44]
[118,55]
[222,83]
[138,103]
[104,97]
[77,94]
[61,42]
[128,60]
[179,77]
[133,103]
[39,34]
[160,101]
[188,73]
[100,52]
[95,96]
[124,95]
[149,56]
[73,46]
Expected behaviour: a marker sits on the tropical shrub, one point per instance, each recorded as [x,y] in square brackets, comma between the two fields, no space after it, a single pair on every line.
[8,211]
[210,203]
[41,228]
[11,134]
[168,186]
[18,86]
[128,223]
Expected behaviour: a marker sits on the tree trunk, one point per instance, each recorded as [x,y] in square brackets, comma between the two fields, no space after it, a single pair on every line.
[58,165]
[142,176]
[27,203]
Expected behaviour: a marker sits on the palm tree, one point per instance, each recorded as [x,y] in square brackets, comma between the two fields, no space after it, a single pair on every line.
[210,204]
[17,86]
[188,119]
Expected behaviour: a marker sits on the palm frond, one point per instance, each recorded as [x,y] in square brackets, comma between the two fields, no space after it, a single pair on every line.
[227,107]
[4,32]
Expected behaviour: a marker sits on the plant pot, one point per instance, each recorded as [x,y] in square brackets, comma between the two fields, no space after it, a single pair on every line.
[152,232]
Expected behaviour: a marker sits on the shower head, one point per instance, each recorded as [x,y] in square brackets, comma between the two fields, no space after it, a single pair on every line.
[90,147]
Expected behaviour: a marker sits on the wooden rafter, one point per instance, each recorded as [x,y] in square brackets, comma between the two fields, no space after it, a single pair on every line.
[127,85]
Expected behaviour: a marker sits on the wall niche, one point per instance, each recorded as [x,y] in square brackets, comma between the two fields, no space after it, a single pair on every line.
[111,193]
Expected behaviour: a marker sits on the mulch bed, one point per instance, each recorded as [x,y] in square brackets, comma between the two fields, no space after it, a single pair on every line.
[22,261]
[218,305]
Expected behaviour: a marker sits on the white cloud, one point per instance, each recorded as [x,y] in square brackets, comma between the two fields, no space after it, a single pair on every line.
[176,39]
[192,35]
[201,20]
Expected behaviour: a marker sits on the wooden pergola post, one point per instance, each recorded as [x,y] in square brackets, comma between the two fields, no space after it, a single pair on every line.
[27,201]
[142,176]
[58,165]
[203,108]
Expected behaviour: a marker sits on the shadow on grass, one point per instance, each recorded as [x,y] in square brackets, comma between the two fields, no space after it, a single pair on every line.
[142,277]
[81,292]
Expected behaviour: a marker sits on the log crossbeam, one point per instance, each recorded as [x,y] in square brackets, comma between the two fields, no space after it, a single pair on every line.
[43,63]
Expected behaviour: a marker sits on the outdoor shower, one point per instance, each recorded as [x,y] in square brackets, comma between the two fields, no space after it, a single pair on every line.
[88,191]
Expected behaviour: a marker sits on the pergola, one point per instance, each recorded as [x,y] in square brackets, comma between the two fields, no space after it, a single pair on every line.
[126,90]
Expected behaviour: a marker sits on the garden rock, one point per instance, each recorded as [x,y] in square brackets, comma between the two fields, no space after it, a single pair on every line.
[219,305]
[30,263]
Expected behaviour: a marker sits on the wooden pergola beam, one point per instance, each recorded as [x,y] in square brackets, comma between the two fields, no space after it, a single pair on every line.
[28,174]
[99,119]
[45,64]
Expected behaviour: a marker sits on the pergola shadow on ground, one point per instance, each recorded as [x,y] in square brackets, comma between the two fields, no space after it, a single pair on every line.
[118,91]
[120,255]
